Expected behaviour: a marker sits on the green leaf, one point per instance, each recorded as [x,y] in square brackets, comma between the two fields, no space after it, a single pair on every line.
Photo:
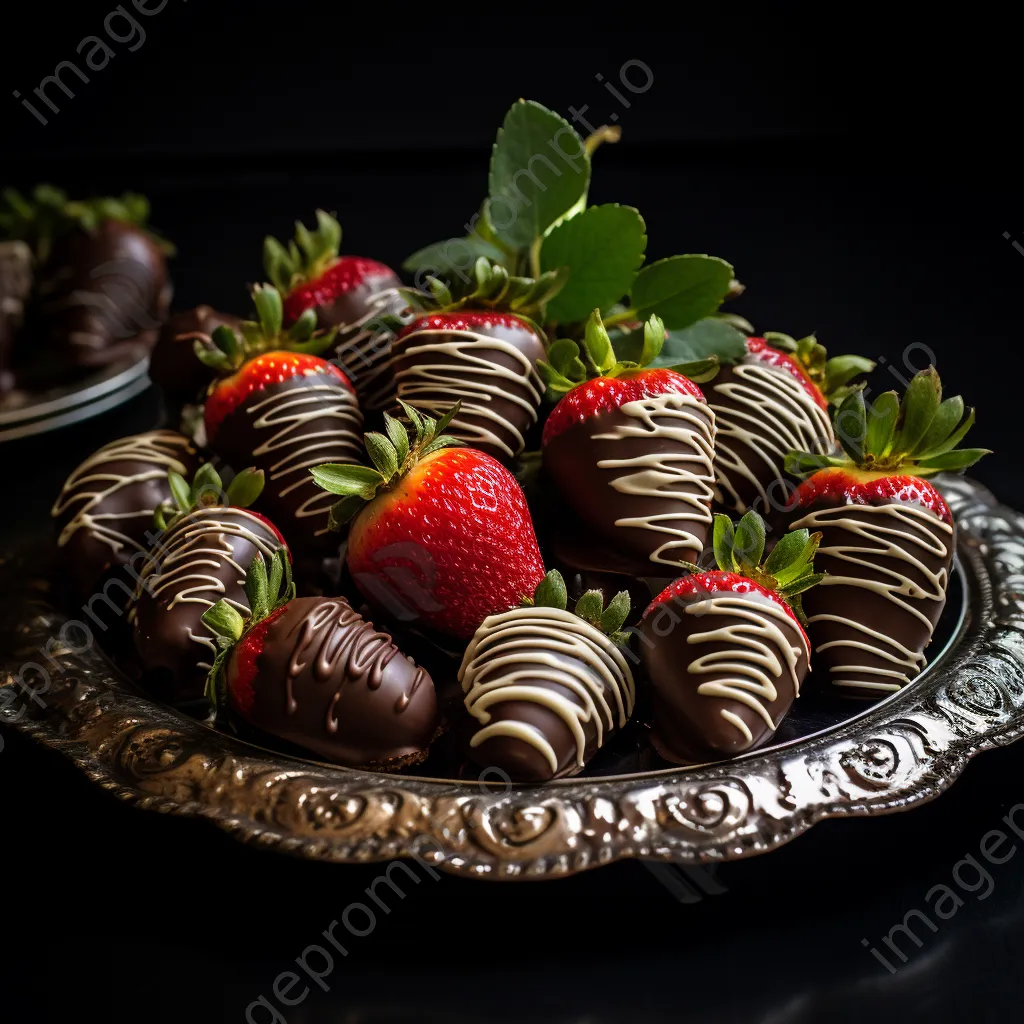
[603,248]
[345,480]
[748,542]
[441,425]
[615,614]
[399,436]
[564,358]
[920,404]
[840,370]
[224,620]
[723,540]
[881,422]
[798,586]
[654,340]
[269,309]
[590,607]
[805,463]
[551,592]
[180,490]
[276,574]
[441,441]
[302,330]
[598,344]
[700,371]
[952,461]
[706,338]
[956,437]
[786,553]
[555,383]
[382,454]
[342,512]
[227,341]
[452,257]
[539,170]
[944,422]
[851,425]
[245,488]
[256,588]
[207,486]
[681,289]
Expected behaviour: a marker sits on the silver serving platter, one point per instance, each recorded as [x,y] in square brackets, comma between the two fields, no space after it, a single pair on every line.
[900,752]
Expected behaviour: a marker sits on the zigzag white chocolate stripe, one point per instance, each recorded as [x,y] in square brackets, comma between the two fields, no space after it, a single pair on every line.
[667,474]
[182,568]
[93,482]
[291,451]
[478,381]
[776,416]
[898,531]
[758,654]
[364,352]
[511,653]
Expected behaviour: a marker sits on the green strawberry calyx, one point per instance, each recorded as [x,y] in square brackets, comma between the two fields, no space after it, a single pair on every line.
[917,435]
[267,588]
[568,365]
[207,489]
[393,454]
[227,350]
[551,592]
[306,257]
[833,377]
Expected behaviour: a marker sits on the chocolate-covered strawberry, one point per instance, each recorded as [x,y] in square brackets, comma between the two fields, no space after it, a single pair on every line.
[283,409]
[482,351]
[173,364]
[208,541]
[15,285]
[631,455]
[350,293]
[104,512]
[545,688]
[101,289]
[773,400]
[439,535]
[724,649]
[887,534]
[312,671]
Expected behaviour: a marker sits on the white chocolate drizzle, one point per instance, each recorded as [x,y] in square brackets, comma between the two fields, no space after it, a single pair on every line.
[291,450]
[668,474]
[776,415]
[477,381]
[182,568]
[758,654]
[364,352]
[513,653]
[93,482]
[899,532]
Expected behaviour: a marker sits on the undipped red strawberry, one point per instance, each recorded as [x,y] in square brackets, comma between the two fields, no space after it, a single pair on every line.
[439,535]
[887,534]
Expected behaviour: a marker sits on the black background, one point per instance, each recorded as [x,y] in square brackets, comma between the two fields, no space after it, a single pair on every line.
[859,173]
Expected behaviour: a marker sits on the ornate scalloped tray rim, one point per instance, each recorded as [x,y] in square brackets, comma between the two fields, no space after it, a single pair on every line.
[902,752]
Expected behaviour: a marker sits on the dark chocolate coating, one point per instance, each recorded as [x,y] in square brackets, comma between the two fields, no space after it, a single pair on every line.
[174,364]
[571,461]
[500,394]
[102,296]
[688,727]
[772,406]
[846,666]
[517,652]
[106,509]
[15,285]
[285,429]
[328,681]
[201,559]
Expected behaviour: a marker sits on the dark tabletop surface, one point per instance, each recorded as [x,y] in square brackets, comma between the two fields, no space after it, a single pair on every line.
[892,249]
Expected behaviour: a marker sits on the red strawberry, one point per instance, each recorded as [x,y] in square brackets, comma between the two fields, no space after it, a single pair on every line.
[724,649]
[283,412]
[351,293]
[439,535]
[772,400]
[631,454]
[312,671]
[887,534]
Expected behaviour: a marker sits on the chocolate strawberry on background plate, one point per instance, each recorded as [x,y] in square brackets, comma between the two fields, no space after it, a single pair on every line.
[440,536]
[282,408]
[207,542]
[631,454]
[545,688]
[724,648]
[888,537]
[313,672]
[349,293]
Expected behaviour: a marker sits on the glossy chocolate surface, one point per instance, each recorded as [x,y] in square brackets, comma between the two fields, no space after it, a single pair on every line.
[173,364]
